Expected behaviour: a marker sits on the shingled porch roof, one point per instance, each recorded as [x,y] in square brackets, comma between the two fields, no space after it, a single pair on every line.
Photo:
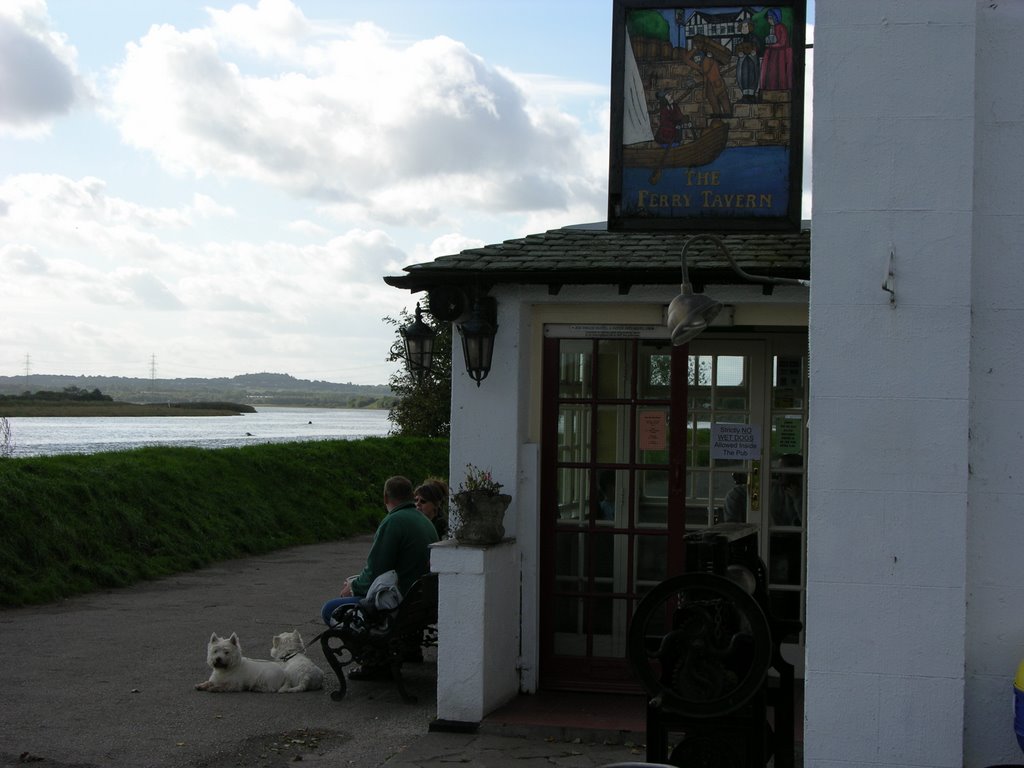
[590,254]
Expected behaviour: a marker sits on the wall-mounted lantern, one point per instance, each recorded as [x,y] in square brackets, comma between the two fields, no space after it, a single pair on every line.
[689,314]
[419,346]
[478,332]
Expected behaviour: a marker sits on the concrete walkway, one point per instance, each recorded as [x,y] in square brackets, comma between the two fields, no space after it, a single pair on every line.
[107,680]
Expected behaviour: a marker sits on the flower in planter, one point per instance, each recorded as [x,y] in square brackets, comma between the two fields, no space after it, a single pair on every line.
[478,480]
[479,508]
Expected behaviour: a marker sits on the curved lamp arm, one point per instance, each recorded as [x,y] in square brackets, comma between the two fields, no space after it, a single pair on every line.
[689,314]
[717,241]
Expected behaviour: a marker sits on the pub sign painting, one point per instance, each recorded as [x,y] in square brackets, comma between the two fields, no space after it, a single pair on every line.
[707,116]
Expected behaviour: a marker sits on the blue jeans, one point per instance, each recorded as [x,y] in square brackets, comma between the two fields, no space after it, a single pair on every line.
[332,605]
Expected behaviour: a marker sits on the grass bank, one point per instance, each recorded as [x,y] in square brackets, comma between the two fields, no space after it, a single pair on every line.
[74,524]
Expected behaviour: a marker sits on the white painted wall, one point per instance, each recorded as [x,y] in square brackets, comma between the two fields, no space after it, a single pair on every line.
[913,632]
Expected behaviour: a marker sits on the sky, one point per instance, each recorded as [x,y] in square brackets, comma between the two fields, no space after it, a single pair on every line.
[207,189]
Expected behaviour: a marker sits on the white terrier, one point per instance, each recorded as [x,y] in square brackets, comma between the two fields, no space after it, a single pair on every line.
[302,673]
[234,672]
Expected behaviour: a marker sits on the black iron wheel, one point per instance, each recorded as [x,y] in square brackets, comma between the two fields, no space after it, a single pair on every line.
[700,645]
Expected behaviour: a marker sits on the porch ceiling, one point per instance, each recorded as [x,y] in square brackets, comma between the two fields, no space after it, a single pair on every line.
[592,255]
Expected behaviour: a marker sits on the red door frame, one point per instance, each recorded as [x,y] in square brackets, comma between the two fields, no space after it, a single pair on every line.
[590,673]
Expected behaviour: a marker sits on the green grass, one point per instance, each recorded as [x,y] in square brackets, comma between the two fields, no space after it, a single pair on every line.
[74,524]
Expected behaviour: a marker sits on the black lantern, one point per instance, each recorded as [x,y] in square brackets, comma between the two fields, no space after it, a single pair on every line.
[478,337]
[419,346]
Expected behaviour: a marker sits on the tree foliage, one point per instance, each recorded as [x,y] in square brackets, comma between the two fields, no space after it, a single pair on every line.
[68,394]
[423,409]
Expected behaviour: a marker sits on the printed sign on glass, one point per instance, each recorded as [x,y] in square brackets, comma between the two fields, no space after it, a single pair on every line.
[707,116]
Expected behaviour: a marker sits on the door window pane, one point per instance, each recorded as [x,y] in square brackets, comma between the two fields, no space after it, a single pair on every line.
[734,506]
[786,605]
[651,558]
[606,545]
[610,622]
[570,565]
[651,497]
[785,557]
[786,498]
[613,434]
[575,361]
[573,492]
[655,371]
[612,497]
[788,381]
[570,626]
[698,443]
[574,433]
[699,372]
[613,370]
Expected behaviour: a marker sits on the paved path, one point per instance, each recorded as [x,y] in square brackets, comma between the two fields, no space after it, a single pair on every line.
[107,680]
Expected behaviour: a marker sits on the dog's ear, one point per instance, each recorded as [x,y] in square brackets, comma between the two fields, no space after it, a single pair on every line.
[214,638]
[234,638]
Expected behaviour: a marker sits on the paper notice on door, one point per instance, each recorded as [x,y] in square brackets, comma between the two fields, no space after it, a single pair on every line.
[735,441]
[653,431]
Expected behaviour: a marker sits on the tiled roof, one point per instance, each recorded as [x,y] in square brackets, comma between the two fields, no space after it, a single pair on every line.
[591,254]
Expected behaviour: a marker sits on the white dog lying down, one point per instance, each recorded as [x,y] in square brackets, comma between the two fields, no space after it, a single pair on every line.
[302,673]
[234,672]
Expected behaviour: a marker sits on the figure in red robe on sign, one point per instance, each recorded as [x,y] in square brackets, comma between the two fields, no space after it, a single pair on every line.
[777,65]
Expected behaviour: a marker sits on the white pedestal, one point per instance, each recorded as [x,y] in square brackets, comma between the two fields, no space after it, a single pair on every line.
[478,628]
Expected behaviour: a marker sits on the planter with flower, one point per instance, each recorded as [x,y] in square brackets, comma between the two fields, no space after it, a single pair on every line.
[480,508]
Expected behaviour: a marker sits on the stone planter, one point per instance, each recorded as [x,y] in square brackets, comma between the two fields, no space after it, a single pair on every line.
[481,516]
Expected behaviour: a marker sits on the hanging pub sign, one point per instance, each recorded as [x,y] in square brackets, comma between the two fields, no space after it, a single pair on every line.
[707,116]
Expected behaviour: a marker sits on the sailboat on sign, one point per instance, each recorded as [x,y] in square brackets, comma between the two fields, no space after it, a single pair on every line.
[641,150]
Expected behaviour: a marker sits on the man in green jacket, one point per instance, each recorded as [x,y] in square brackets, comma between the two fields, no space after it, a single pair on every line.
[401,543]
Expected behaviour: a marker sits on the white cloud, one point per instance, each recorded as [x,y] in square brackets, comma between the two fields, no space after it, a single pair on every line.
[387,131]
[205,207]
[76,259]
[275,28]
[38,80]
[281,166]
[22,259]
[307,227]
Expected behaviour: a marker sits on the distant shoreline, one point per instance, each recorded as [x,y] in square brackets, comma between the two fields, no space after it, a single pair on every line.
[11,409]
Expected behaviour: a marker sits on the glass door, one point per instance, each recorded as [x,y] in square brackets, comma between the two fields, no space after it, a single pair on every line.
[612,474]
[747,416]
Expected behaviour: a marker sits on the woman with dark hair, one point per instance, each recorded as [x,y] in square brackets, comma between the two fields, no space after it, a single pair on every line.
[432,500]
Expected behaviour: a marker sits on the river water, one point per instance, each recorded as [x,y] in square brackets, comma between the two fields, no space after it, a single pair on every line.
[50,435]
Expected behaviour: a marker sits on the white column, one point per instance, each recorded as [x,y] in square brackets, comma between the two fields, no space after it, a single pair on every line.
[894,105]
[478,624]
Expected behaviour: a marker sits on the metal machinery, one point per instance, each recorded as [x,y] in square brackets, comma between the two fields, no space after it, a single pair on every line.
[704,645]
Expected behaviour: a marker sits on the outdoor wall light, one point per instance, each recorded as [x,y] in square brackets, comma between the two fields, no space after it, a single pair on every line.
[419,346]
[478,332]
[689,314]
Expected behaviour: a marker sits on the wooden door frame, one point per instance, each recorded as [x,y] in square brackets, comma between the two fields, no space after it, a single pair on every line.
[676,510]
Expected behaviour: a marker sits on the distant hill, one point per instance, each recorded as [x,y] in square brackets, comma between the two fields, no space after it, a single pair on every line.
[249,388]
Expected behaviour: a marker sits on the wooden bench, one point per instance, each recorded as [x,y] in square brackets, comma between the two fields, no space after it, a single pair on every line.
[375,638]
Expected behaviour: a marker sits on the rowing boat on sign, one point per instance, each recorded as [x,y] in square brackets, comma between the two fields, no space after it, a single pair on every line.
[693,154]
